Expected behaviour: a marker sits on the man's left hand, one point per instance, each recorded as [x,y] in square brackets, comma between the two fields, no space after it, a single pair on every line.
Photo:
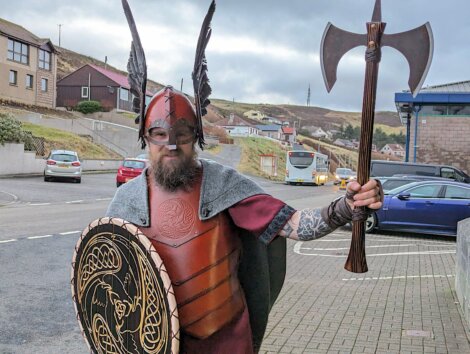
[369,195]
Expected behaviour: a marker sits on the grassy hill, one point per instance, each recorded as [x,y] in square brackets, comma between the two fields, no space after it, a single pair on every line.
[69,61]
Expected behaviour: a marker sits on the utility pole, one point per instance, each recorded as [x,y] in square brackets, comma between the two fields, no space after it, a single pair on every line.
[60,30]
[308,96]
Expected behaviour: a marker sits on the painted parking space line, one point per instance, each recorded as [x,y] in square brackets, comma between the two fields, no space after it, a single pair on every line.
[400,277]
[302,251]
[346,248]
[74,202]
[69,233]
[8,241]
[36,237]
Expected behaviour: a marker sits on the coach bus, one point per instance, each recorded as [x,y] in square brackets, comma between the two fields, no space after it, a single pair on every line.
[306,167]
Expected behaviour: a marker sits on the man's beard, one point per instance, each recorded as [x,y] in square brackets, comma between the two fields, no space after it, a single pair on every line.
[176,174]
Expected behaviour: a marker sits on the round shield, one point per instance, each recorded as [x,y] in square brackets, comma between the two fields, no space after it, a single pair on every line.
[123,296]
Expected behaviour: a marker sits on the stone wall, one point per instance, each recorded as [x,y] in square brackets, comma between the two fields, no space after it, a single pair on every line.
[462,273]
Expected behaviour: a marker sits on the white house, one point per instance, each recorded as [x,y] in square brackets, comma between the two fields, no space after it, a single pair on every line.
[393,150]
[236,126]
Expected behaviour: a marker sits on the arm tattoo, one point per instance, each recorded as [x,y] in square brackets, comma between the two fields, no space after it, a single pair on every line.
[287,229]
[311,225]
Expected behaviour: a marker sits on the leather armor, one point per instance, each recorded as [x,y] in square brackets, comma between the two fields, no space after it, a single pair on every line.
[201,258]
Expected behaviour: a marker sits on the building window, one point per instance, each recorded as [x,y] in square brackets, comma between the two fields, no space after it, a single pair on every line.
[124,94]
[44,60]
[29,81]
[13,77]
[18,51]
[44,84]
[84,92]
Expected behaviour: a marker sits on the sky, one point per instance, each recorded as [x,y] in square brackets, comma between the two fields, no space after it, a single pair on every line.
[261,51]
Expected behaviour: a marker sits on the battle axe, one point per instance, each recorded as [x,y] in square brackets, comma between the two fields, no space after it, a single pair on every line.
[417,47]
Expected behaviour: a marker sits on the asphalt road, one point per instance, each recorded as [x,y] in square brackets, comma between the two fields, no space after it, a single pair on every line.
[40,223]
[405,303]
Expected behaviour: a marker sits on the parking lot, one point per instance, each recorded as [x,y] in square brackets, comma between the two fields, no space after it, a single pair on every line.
[405,303]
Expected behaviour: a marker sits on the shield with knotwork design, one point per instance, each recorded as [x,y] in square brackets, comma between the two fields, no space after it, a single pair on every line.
[123,296]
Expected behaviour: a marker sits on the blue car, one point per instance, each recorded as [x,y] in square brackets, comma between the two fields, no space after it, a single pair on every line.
[430,207]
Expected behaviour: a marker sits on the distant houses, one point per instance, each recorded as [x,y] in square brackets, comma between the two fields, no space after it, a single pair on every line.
[393,150]
[236,126]
[91,82]
[28,66]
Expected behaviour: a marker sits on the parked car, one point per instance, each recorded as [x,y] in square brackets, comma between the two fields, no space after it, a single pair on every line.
[345,174]
[431,207]
[129,169]
[143,156]
[63,164]
[391,168]
[389,183]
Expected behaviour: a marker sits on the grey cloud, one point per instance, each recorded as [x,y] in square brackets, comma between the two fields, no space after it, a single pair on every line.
[294,24]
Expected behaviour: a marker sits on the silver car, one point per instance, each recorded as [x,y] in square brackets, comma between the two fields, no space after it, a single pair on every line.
[63,164]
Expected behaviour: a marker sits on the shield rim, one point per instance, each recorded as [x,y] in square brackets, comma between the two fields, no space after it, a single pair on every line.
[157,263]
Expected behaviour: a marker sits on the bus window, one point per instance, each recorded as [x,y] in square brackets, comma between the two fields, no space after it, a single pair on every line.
[300,159]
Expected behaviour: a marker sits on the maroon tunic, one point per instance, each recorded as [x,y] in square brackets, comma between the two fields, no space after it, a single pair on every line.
[262,215]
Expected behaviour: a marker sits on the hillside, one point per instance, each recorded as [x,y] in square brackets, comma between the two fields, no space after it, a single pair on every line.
[69,61]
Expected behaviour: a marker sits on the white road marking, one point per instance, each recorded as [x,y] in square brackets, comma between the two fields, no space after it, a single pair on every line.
[298,249]
[74,202]
[103,198]
[400,277]
[69,232]
[36,204]
[15,198]
[7,241]
[346,248]
[35,237]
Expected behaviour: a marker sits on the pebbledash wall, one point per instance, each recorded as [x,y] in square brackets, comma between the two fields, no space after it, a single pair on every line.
[462,274]
[15,161]
[439,124]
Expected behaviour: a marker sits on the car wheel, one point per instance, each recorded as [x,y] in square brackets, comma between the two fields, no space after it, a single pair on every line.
[46,179]
[371,223]
[118,184]
[78,180]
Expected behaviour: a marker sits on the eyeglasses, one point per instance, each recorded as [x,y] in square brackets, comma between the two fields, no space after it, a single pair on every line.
[180,135]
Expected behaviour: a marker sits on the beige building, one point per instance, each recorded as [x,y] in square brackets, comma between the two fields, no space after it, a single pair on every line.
[28,66]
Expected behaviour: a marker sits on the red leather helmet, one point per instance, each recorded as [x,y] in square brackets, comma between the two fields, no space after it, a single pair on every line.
[170,119]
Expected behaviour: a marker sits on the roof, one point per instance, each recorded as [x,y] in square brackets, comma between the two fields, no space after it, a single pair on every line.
[395,147]
[118,78]
[10,29]
[269,128]
[236,121]
[288,130]
[461,86]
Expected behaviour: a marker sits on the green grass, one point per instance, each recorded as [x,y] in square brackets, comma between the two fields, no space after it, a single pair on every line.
[59,139]
[252,148]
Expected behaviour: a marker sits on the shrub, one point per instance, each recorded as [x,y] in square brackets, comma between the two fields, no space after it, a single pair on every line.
[11,131]
[89,107]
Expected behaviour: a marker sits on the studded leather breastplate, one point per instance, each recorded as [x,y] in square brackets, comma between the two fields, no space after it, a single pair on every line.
[201,258]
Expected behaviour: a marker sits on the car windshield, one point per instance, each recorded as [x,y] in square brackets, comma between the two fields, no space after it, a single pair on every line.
[64,157]
[344,171]
[133,164]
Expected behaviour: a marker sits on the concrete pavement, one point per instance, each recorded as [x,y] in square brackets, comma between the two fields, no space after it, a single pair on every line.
[406,303]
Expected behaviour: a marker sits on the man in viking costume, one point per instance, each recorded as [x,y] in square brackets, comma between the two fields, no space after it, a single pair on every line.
[221,237]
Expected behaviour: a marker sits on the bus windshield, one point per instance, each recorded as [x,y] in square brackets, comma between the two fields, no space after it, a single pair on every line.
[300,159]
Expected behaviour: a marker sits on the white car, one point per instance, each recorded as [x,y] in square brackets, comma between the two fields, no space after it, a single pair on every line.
[63,164]
[344,174]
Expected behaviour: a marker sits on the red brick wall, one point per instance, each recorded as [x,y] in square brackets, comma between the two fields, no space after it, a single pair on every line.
[443,140]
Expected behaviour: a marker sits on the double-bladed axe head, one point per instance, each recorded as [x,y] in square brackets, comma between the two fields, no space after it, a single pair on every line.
[416,45]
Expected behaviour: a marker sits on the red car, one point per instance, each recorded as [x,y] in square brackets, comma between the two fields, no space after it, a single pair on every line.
[129,169]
